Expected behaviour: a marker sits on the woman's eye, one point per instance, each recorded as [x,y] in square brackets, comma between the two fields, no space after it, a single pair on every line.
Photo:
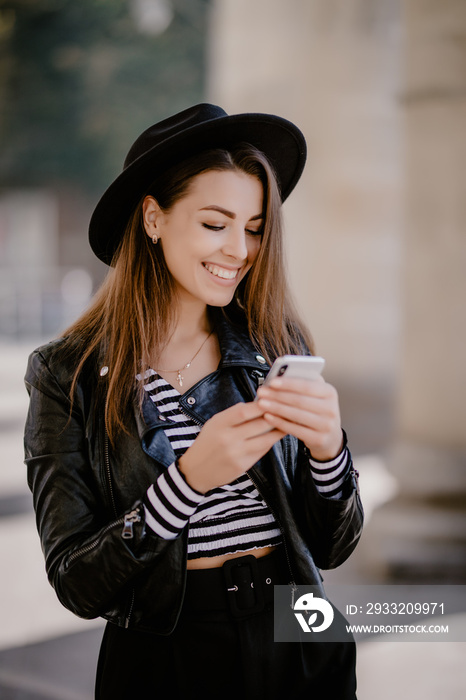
[257,232]
[211,227]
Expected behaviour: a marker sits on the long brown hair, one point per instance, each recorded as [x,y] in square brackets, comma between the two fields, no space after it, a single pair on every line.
[133,313]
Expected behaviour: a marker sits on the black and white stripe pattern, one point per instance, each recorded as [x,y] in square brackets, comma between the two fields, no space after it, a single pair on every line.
[169,503]
[329,476]
[230,518]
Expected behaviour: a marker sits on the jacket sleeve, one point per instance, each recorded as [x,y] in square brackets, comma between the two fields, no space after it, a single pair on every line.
[332,526]
[88,558]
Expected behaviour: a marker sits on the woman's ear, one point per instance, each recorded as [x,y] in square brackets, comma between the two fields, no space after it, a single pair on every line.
[151,213]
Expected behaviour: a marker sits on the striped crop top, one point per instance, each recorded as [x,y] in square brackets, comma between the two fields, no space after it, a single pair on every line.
[227,519]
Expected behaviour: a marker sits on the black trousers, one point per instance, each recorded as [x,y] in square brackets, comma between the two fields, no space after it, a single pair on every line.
[220,650]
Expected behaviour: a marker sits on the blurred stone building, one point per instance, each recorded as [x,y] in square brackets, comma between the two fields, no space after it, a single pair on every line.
[376,235]
[78,83]
[375,229]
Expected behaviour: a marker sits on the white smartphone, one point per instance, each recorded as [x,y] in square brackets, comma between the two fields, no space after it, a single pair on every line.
[301,366]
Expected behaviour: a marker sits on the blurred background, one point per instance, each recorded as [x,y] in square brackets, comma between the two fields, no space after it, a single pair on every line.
[376,240]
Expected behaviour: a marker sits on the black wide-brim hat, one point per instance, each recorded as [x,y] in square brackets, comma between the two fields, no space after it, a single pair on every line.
[179,137]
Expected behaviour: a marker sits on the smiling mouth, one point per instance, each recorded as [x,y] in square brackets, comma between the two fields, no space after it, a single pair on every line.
[221,272]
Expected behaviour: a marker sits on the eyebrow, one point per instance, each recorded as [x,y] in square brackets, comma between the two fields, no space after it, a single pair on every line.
[230,214]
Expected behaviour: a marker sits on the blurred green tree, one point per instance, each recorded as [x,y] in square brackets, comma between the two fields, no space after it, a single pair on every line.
[79,80]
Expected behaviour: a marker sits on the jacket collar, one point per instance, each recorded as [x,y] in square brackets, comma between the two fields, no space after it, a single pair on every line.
[236,347]
[237,350]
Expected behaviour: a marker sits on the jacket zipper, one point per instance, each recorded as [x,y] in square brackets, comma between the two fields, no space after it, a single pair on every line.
[188,415]
[126,520]
[355,474]
[291,583]
[109,475]
[130,611]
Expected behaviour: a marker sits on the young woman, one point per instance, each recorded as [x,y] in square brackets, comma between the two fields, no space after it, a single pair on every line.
[168,500]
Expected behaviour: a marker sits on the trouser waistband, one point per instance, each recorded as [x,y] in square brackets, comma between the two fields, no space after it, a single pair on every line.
[242,586]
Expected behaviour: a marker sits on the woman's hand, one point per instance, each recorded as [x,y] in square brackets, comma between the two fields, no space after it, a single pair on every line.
[229,444]
[307,409]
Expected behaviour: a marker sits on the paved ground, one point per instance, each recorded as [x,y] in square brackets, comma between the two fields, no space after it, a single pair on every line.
[48,654]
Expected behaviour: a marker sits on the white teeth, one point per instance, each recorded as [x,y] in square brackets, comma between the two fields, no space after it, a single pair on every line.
[221,272]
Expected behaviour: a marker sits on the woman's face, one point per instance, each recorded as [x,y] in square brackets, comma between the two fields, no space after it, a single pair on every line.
[211,236]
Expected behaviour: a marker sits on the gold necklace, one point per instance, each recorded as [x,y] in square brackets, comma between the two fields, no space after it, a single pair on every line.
[179,376]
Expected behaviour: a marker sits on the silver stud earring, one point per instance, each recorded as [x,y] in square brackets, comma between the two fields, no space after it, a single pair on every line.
[155,239]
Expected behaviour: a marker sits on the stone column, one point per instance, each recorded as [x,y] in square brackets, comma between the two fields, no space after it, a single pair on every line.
[422,534]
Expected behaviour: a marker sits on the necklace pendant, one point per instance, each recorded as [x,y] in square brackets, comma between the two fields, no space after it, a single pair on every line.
[179,376]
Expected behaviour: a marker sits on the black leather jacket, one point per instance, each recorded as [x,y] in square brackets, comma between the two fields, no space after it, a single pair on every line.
[99,557]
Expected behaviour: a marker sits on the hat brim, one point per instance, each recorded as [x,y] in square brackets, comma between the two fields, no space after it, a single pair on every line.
[280,140]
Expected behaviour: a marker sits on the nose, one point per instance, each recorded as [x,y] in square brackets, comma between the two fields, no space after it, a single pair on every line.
[235,244]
